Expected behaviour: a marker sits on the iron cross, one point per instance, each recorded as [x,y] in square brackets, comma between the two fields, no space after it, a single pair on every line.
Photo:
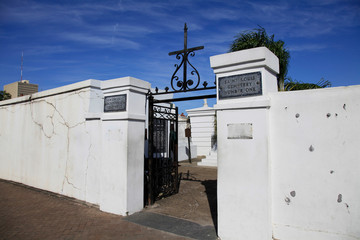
[185,52]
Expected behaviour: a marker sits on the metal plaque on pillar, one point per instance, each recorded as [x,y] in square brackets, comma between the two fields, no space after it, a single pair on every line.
[242,85]
[115,103]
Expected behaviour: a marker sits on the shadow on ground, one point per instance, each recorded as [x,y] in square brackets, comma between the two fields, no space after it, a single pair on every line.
[197,198]
[211,192]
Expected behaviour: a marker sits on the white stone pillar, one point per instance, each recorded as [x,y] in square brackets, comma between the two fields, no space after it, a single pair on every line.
[123,128]
[243,80]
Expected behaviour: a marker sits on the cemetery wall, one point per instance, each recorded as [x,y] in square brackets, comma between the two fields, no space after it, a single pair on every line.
[45,141]
[62,140]
[315,163]
[288,162]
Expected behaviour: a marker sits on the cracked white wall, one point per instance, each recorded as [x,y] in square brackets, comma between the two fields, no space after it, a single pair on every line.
[62,141]
[49,145]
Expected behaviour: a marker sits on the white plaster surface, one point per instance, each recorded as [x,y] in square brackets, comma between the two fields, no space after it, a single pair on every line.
[245,59]
[240,131]
[316,163]
[61,141]
[297,177]
[243,177]
[244,193]
[123,148]
[47,146]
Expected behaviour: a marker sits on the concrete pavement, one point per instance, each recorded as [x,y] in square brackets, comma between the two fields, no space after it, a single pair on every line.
[27,213]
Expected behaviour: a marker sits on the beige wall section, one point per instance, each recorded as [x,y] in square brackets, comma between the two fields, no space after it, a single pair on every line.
[17,89]
[26,88]
[12,88]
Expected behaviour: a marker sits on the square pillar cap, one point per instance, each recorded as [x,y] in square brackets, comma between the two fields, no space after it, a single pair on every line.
[245,59]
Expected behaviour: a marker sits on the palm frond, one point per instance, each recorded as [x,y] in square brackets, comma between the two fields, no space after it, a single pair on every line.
[294,85]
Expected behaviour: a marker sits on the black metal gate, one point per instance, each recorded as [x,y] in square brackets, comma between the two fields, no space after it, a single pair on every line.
[161,164]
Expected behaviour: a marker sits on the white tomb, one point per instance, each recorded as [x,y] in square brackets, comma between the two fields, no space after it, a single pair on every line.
[183,142]
[203,133]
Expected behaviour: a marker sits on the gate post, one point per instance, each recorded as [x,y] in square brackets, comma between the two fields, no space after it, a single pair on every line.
[243,80]
[150,195]
[123,124]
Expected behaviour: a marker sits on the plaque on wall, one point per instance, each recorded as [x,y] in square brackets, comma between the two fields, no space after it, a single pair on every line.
[240,131]
[242,85]
[115,103]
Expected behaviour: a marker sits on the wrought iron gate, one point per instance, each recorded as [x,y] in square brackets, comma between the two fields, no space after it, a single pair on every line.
[161,166]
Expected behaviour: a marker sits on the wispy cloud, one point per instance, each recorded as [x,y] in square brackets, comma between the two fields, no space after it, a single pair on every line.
[33,12]
[304,18]
[307,47]
[122,29]
[220,14]
[101,41]
[45,49]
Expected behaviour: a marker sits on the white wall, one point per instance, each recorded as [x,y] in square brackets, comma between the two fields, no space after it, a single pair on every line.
[244,194]
[289,162]
[47,143]
[315,163]
[243,177]
[61,141]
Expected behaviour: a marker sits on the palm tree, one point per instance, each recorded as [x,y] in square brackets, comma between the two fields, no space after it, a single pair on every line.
[4,95]
[293,85]
[259,38]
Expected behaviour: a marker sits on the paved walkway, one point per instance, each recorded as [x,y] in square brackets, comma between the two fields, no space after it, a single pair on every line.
[27,213]
[197,197]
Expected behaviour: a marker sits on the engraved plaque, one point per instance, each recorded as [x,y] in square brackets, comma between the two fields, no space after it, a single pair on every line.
[115,103]
[240,131]
[242,85]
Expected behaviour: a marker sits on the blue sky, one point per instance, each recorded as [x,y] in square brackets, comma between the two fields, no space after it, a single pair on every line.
[69,41]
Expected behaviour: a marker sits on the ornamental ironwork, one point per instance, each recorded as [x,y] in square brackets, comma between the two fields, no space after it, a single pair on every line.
[185,83]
